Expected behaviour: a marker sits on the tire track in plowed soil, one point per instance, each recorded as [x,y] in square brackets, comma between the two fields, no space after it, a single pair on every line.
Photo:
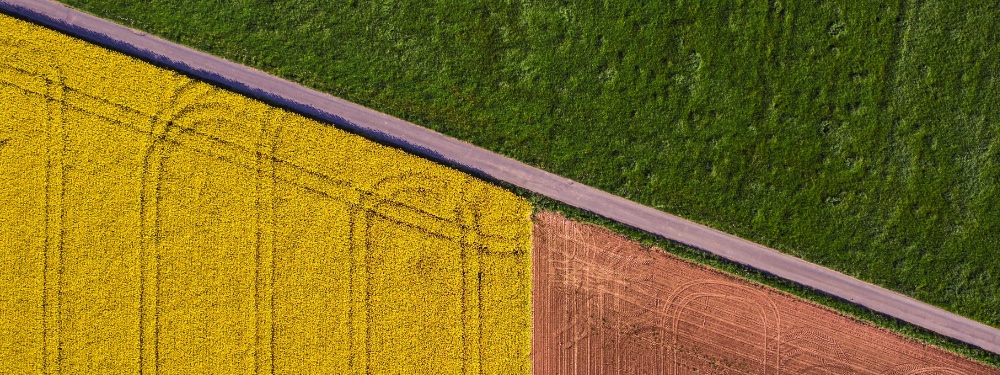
[607,305]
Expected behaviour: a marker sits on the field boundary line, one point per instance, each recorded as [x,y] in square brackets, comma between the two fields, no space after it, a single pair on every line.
[435,146]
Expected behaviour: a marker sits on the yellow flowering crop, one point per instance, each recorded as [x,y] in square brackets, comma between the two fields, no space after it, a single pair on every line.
[149,221]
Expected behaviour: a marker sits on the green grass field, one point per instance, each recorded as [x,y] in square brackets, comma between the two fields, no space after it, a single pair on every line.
[858,136]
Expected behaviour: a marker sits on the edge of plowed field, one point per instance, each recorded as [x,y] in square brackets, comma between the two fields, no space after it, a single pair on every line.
[606,303]
[464,156]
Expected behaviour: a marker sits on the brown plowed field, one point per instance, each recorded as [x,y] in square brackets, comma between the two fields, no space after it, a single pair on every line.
[607,305]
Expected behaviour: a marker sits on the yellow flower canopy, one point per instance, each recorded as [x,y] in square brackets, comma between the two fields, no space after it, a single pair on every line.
[152,222]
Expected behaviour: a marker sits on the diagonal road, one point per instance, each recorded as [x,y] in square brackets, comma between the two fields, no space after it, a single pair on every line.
[464,156]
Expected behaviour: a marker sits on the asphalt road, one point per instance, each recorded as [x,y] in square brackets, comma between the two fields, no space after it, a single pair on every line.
[464,156]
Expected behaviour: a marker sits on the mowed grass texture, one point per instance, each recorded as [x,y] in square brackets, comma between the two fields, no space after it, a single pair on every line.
[858,135]
[149,222]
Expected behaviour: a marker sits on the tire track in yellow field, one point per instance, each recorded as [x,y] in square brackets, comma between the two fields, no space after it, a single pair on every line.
[368,288]
[463,255]
[358,285]
[267,144]
[156,154]
[55,191]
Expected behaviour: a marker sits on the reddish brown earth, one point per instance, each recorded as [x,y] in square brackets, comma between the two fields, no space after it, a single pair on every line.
[607,305]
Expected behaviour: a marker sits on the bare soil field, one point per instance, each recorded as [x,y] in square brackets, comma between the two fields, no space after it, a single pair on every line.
[606,305]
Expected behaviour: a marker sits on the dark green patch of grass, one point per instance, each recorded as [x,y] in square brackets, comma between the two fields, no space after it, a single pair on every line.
[857,135]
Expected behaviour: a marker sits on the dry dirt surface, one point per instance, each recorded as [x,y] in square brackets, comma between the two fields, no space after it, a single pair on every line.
[607,305]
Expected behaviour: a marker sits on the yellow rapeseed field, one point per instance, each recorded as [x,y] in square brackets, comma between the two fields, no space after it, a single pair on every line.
[153,223]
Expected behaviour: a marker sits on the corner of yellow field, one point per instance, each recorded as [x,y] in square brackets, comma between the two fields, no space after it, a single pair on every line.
[503,237]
